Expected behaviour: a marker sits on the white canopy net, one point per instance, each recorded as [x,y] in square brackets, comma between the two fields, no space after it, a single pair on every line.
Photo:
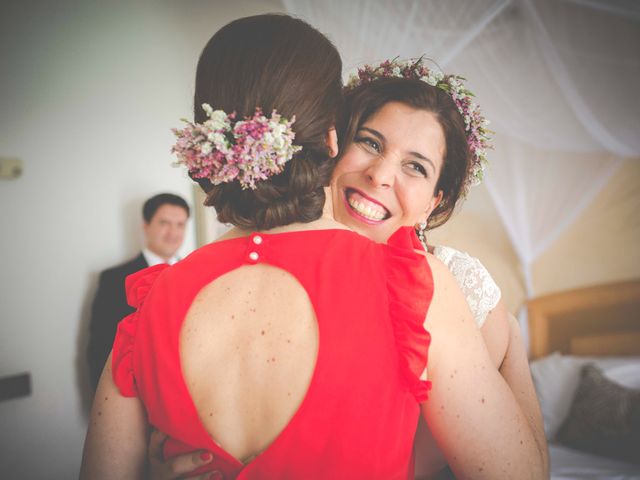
[557,78]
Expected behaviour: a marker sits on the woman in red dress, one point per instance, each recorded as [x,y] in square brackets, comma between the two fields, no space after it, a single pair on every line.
[292,347]
[312,369]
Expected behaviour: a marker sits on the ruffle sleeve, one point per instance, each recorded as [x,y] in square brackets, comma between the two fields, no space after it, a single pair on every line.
[410,288]
[137,287]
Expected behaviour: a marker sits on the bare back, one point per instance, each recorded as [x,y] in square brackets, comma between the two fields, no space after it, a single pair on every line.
[248,346]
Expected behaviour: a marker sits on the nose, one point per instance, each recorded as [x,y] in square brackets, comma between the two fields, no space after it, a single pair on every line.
[175,232]
[381,173]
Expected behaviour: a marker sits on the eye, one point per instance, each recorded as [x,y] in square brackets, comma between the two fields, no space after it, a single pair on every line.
[417,168]
[370,143]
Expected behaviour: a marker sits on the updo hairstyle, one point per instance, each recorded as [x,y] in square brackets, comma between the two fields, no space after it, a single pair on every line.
[273,62]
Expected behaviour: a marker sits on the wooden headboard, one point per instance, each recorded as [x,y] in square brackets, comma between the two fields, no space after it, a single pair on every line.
[598,320]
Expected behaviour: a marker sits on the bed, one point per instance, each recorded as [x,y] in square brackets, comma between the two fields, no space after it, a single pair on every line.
[585,361]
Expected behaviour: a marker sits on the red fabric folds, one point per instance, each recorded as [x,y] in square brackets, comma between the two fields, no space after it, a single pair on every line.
[137,287]
[410,287]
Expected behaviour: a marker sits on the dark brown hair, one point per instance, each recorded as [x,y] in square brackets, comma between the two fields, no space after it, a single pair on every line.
[273,62]
[152,205]
[364,101]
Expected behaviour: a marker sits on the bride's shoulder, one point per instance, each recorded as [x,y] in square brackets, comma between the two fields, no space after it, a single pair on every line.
[451,256]
[462,265]
[443,278]
[480,289]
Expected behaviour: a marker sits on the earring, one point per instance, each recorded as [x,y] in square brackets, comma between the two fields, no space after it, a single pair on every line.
[420,231]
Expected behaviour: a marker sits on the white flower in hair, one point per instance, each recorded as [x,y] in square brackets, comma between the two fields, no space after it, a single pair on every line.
[206,148]
[218,119]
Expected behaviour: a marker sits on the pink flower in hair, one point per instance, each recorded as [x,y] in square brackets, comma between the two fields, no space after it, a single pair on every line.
[224,150]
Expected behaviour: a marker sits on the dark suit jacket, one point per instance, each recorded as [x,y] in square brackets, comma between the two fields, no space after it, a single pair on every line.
[109,307]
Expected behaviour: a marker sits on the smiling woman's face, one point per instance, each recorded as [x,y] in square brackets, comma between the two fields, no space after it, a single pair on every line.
[386,178]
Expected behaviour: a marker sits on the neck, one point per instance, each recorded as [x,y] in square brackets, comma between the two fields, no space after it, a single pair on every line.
[327,209]
[163,257]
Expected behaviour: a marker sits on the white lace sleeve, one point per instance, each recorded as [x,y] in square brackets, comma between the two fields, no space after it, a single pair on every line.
[475,281]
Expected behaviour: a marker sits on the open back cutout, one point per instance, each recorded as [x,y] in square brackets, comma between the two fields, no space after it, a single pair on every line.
[248,348]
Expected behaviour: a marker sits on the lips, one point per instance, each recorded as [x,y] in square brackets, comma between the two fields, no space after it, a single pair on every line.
[364,208]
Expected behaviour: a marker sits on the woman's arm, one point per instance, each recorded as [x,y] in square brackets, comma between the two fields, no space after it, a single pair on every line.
[472,413]
[516,372]
[116,443]
[495,333]
[501,334]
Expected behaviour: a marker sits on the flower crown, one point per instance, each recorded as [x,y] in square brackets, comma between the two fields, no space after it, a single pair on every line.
[475,124]
[223,150]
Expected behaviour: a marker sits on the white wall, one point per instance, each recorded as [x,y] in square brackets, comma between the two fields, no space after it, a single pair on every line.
[88,95]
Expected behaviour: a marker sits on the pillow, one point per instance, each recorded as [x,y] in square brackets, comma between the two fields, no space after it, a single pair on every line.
[625,375]
[556,378]
[604,418]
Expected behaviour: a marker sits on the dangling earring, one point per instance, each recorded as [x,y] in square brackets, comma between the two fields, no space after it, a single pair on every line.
[420,231]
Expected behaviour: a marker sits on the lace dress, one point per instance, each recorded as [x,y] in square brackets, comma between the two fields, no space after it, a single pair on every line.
[474,279]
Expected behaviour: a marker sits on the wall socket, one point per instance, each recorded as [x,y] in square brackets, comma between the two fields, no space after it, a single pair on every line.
[10,168]
[15,386]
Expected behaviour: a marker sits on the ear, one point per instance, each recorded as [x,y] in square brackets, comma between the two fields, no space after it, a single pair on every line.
[433,203]
[332,142]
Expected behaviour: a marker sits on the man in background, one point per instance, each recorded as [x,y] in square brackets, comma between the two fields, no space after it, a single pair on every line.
[165,218]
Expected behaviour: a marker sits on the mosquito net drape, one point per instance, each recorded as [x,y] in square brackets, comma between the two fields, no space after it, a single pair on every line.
[557,78]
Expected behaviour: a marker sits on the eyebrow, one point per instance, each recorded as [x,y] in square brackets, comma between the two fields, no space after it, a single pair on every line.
[381,137]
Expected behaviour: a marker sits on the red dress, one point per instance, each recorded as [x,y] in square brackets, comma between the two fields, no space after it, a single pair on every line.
[360,413]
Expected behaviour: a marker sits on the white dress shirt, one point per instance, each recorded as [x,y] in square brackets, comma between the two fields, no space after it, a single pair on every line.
[153,259]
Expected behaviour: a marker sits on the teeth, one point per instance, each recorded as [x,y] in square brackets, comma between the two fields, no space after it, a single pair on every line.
[366,210]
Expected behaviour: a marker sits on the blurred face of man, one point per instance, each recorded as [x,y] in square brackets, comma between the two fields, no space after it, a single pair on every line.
[165,230]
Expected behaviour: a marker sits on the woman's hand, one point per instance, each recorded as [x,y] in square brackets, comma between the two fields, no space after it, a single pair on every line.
[176,467]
